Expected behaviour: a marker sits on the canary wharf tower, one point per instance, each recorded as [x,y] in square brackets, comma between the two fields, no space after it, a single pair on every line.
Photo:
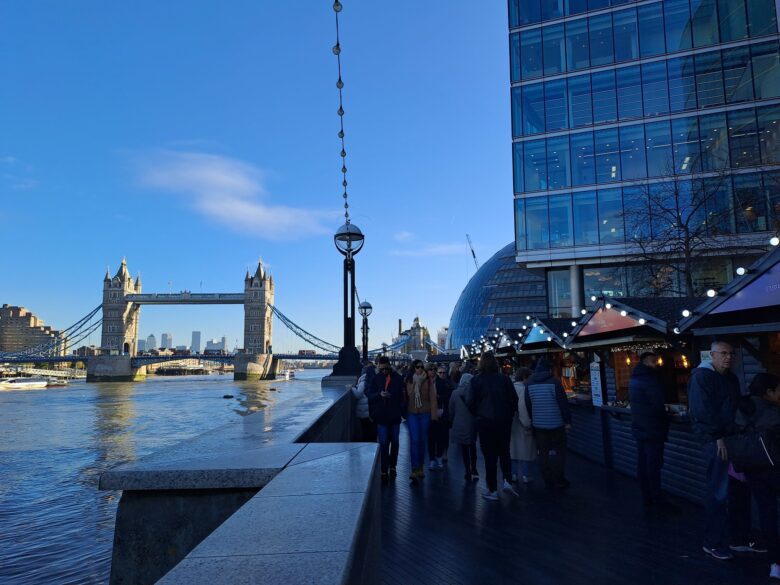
[619,106]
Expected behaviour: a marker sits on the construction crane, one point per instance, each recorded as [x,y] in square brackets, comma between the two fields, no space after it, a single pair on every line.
[473,255]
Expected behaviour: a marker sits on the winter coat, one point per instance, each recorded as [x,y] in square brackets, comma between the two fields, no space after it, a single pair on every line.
[427,395]
[359,392]
[492,397]
[755,412]
[712,402]
[464,425]
[546,400]
[523,444]
[386,410]
[649,421]
[443,392]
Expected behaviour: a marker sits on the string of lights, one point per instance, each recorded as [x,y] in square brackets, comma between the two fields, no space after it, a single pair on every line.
[337,8]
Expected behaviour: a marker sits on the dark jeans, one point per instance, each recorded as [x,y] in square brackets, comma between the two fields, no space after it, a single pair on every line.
[438,438]
[494,437]
[766,488]
[388,445]
[739,511]
[650,460]
[469,453]
[716,498]
[551,444]
[367,430]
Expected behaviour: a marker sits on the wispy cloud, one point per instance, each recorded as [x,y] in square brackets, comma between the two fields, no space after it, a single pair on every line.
[403,236]
[7,160]
[230,192]
[14,176]
[433,250]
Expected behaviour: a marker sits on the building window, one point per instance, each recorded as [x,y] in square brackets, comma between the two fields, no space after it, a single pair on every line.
[583,159]
[561,232]
[743,138]
[607,155]
[714,142]
[709,79]
[514,57]
[555,108]
[737,75]
[517,165]
[651,33]
[580,108]
[520,224]
[733,20]
[766,69]
[677,15]
[559,293]
[586,228]
[626,35]
[537,223]
[577,44]
[535,165]
[655,90]
[531,53]
[629,88]
[704,17]
[604,98]
[762,17]
[768,129]
[685,140]
[603,280]
[659,149]
[601,49]
[682,84]
[532,105]
[554,56]
[719,205]
[750,203]
[558,164]
[632,152]
[610,216]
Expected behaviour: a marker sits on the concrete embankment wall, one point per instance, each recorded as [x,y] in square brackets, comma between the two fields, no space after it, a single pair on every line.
[232,506]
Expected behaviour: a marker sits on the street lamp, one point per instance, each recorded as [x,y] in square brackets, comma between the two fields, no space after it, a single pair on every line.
[365,310]
[349,241]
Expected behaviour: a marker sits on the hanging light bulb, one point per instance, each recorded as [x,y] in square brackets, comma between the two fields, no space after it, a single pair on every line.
[573,323]
[686,313]
[565,334]
[624,313]
[584,311]
[549,338]
[642,321]
[593,298]
[608,305]
[712,293]
[775,241]
[741,271]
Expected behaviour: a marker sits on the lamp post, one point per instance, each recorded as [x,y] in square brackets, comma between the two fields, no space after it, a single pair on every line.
[365,310]
[349,241]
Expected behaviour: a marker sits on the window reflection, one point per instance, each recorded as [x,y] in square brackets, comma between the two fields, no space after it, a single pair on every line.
[561,232]
[558,162]
[678,25]
[626,35]
[535,165]
[766,69]
[577,45]
[750,203]
[655,89]
[659,149]
[704,15]
[537,223]
[737,75]
[607,155]
[556,110]
[586,222]
[709,79]
[769,131]
[743,138]
[604,280]
[651,33]
[520,224]
[554,49]
[632,152]
[604,98]
[583,159]
[610,216]
[629,88]
[601,49]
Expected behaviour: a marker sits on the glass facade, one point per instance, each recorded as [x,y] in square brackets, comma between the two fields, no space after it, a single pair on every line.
[500,294]
[612,99]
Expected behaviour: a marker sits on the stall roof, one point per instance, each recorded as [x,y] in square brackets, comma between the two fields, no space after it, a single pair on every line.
[548,333]
[749,303]
[625,318]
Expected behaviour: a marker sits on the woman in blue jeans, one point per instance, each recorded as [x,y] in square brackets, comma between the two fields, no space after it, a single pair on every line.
[421,409]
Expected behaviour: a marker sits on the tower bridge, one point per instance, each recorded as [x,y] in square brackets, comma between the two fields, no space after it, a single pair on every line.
[122,302]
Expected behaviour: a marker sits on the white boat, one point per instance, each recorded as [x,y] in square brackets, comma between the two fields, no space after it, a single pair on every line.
[285,375]
[22,383]
[56,382]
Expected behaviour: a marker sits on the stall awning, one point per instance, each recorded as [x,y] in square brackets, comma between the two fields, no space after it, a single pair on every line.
[544,334]
[618,320]
[748,304]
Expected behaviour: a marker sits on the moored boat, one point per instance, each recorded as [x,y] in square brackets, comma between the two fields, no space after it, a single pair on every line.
[22,383]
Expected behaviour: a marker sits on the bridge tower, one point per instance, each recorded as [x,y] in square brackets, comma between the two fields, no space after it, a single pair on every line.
[258,319]
[120,317]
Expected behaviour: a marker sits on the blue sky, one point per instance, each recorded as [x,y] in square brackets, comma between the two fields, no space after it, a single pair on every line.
[195,137]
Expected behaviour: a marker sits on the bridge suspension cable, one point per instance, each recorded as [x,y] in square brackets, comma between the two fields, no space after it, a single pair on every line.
[75,333]
[303,334]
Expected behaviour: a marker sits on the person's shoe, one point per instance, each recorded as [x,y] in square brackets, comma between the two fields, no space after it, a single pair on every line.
[718,553]
[474,477]
[774,571]
[527,479]
[391,472]
[750,547]
[490,496]
[509,489]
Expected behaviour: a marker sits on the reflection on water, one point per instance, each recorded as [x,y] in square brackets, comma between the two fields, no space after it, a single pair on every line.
[55,526]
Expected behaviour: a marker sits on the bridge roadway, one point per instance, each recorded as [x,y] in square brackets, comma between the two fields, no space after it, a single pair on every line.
[187,298]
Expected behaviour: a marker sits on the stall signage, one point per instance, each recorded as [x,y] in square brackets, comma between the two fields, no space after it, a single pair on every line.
[595,384]
[764,291]
[606,320]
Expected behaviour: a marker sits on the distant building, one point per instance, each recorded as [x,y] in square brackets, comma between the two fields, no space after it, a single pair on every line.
[224,343]
[141,346]
[151,343]
[87,351]
[441,337]
[20,330]
[195,345]
[214,345]
[167,341]
[306,352]
[182,348]
[417,335]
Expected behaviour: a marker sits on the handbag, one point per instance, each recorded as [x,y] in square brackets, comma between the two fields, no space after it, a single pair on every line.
[752,450]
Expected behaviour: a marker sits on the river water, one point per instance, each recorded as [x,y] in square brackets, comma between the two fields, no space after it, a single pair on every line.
[55,526]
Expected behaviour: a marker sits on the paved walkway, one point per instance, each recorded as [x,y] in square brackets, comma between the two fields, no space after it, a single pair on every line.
[596,533]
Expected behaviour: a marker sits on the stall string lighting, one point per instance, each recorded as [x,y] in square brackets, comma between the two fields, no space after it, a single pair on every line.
[640,347]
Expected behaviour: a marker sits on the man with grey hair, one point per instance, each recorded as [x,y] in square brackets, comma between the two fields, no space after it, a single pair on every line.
[713,395]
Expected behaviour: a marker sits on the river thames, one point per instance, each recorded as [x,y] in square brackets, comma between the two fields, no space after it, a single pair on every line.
[55,526]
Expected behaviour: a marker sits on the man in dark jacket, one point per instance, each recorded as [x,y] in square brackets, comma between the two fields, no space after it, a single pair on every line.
[713,396]
[650,426]
[492,399]
[550,416]
[439,430]
[385,399]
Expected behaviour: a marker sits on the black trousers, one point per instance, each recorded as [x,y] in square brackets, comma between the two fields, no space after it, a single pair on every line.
[766,488]
[367,430]
[438,438]
[469,454]
[494,437]
[650,460]
[552,454]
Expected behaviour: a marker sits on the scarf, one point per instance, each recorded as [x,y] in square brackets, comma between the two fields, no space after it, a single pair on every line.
[417,381]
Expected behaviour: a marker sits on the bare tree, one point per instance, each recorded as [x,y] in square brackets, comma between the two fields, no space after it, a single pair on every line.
[673,225]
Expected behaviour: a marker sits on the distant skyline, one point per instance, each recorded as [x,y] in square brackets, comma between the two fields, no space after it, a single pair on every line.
[194,138]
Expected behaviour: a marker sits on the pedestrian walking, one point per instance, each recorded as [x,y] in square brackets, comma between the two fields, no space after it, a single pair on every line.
[386,397]
[760,413]
[551,418]
[439,430]
[713,396]
[454,374]
[367,426]
[650,427]
[493,400]
[422,408]
[464,428]
[522,448]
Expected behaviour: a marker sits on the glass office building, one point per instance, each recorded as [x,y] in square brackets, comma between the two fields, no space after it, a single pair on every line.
[611,99]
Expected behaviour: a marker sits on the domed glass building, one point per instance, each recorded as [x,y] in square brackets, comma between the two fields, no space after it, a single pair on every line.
[500,294]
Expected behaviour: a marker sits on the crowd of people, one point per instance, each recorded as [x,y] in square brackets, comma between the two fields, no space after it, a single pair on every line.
[520,417]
